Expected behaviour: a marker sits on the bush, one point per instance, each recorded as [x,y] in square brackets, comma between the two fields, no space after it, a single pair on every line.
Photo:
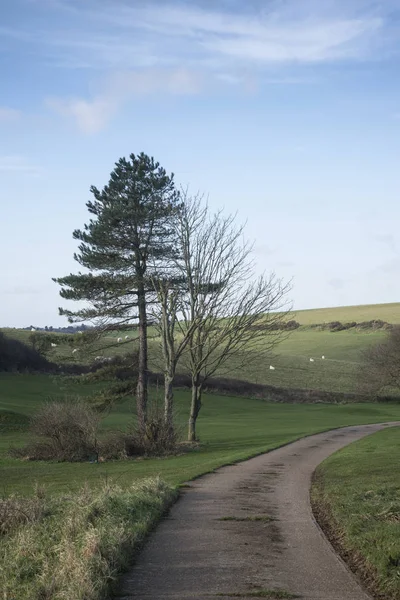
[278,326]
[157,440]
[17,356]
[74,546]
[67,431]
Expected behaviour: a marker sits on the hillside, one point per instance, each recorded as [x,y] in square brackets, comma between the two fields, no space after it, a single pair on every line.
[364,312]
[337,372]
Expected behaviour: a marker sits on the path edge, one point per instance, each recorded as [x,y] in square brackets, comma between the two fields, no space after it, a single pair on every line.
[331,530]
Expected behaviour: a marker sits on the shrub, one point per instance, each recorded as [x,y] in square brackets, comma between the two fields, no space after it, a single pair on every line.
[17,356]
[157,440]
[335,326]
[67,431]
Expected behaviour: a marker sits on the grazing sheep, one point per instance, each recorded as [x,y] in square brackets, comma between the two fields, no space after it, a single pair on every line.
[74,350]
[80,332]
[53,345]
[119,340]
[323,357]
[271,368]
[311,360]
[33,329]
[127,337]
[98,358]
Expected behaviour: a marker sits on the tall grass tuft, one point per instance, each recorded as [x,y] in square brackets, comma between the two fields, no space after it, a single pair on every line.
[65,547]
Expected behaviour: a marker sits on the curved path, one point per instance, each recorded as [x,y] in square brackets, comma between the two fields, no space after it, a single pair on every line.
[273,542]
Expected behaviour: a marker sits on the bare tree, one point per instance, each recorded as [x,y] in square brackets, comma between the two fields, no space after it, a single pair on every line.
[381,366]
[216,312]
[174,339]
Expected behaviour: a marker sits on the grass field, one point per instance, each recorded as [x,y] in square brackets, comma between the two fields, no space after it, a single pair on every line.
[357,495]
[364,312]
[293,369]
[230,429]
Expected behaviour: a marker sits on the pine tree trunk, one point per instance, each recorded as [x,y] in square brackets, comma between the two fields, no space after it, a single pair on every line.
[194,410]
[168,401]
[141,390]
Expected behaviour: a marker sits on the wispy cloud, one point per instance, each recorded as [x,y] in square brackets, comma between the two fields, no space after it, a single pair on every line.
[18,165]
[387,239]
[112,34]
[92,115]
[9,114]
[337,283]
[176,46]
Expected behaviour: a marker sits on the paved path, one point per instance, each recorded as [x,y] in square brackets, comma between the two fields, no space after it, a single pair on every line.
[196,554]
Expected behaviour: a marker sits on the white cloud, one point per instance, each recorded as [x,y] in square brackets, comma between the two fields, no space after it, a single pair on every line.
[386,239]
[178,47]
[113,34]
[92,115]
[18,165]
[9,114]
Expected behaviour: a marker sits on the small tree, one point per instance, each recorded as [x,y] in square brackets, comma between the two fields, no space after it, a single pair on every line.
[226,314]
[130,229]
[381,366]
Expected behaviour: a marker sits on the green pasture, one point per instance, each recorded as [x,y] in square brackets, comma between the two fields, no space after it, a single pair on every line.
[291,358]
[230,429]
[365,312]
[359,489]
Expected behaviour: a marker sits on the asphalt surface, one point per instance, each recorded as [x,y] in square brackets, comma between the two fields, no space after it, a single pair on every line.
[246,528]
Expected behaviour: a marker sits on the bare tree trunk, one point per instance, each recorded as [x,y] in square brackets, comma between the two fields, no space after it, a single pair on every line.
[168,400]
[141,390]
[195,407]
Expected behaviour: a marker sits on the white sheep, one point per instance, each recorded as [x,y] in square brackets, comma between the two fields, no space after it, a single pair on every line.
[323,357]
[33,329]
[119,340]
[271,368]
[311,360]
[98,358]
[74,350]
[53,345]
[80,332]
[127,337]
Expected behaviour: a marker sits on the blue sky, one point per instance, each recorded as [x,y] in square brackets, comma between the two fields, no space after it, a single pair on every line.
[286,111]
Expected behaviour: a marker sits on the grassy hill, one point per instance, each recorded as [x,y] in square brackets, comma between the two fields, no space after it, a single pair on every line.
[364,312]
[293,368]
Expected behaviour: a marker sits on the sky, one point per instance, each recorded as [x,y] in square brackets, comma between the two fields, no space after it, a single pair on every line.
[286,112]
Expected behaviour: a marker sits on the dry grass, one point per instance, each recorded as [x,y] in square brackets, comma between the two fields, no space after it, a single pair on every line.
[56,548]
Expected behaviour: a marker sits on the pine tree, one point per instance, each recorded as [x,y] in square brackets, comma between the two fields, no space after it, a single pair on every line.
[127,240]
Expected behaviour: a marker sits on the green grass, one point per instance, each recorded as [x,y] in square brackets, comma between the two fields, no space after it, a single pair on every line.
[230,429]
[345,314]
[293,369]
[74,546]
[356,494]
